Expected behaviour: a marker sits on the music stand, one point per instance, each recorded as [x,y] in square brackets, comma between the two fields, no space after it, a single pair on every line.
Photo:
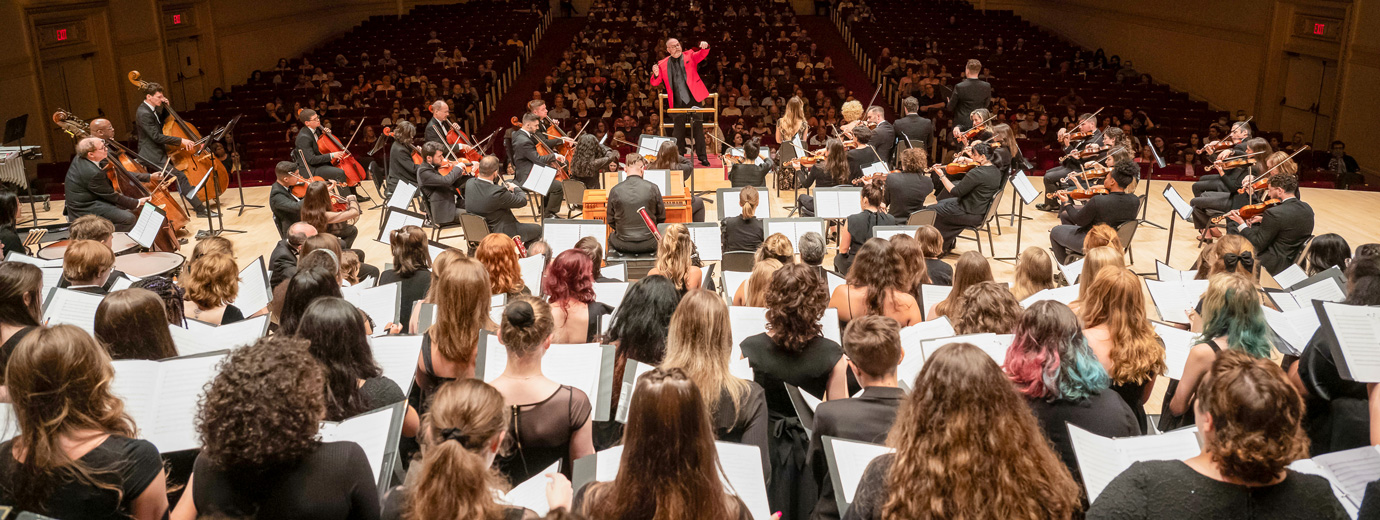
[1150,177]
[239,178]
[211,230]
[15,129]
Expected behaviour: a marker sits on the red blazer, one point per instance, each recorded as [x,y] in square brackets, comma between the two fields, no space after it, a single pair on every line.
[692,76]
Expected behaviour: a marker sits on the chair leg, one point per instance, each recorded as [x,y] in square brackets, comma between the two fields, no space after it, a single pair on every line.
[990,246]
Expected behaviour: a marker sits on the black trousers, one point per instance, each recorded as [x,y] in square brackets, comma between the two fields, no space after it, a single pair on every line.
[1054,181]
[697,133]
[1065,239]
[952,220]
[186,186]
[122,218]
[1208,183]
[632,247]
[529,232]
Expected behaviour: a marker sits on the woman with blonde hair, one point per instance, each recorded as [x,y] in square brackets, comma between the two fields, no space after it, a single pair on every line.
[215,244]
[1034,273]
[851,112]
[743,232]
[499,256]
[1119,333]
[776,246]
[460,290]
[1102,235]
[212,283]
[76,455]
[673,259]
[1097,258]
[753,292]
[1233,254]
[965,422]
[461,436]
[972,268]
[789,126]
[700,343]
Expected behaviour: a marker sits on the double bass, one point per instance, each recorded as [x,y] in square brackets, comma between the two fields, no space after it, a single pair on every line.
[117,168]
[196,163]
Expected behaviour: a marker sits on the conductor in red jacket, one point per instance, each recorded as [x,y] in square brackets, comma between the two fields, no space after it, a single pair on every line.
[679,74]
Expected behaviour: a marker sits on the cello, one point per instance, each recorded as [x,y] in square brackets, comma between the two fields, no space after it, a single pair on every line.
[552,132]
[196,163]
[328,144]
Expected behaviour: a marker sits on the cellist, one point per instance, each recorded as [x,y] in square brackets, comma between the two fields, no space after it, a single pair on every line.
[89,192]
[439,126]
[320,164]
[149,117]
[524,155]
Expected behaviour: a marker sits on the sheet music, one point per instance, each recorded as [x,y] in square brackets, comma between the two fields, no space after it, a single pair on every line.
[933,294]
[398,218]
[850,460]
[162,397]
[1024,188]
[876,168]
[254,293]
[34,261]
[531,494]
[576,365]
[73,308]
[742,476]
[1357,330]
[1064,295]
[741,368]
[562,234]
[434,249]
[628,389]
[659,178]
[708,240]
[1325,289]
[651,144]
[1350,471]
[610,293]
[52,276]
[402,195]
[122,282]
[1291,276]
[1101,459]
[1174,300]
[618,271]
[370,431]
[829,326]
[811,401]
[532,269]
[732,281]
[793,228]
[9,424]
[380,303]
[193,341]
[1177,202]
[1177,344]
[912,336]
[839,202]
[886,232]
[834,281]
[1073,270]
[397,356]
[995,345]
[1295,327]
[146,228]
[539,179]
[1169,274]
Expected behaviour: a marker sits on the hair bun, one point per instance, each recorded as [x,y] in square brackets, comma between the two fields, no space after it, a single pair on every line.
[520,314]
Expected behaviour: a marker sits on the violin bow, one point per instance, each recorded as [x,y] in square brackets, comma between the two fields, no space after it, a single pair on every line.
[1251,154]
[1089,116]
[1267,173]
[874,98]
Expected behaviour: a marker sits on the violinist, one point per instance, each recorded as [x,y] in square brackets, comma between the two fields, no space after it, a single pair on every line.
[791,130]
[494,200]
[1082,135]
[286,207]
[1227,196]
[319,164]
[400,164]
[524,156]
[913,130]
[864,155]
[969,95]
[1009,157]
[544,124]
[1240,132]
[883,134]
[1280,232]
[591,160]
[979,129]
[833,171]
[440,189]
[149,117]
[328,212]
[89,191]
[1112,208]
[907,190]
[752,170]
[972,196]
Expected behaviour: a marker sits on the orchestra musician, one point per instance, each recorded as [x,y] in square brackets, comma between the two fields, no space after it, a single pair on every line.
[791,126]
[864,155]
[103,129]
[538,107]
[679,73]
[969,95]
[630,232]
[1112,208]
[832,171]
[668,159]
[400,165]
[494,199]
[972,196]
[752,170]
[1228,197]
[907,190]
[440,189]
[1240,132]
[439,126]
[149,117]
[308,155]
[883,133]
[524,156]
[913,130]
[1054,177]
[286,207]
[1280,232]
[591,160]
[89,191]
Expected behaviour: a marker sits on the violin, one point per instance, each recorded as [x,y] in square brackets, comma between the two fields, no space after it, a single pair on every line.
[959,166]
[1093,170]
[1084,193]
[1078,135]
[1249,211]
[196,163]
[805,161]
[1264,180]
[974,131]
[300,185]
[1217,146]
[1234,163]
[1088,151]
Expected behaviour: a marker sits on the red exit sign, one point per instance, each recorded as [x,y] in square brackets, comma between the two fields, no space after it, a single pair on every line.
[60,34]
[177,20]
[1319,28]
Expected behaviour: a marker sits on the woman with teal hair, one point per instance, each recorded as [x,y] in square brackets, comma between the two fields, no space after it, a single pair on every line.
[1232,319]
[1052,366]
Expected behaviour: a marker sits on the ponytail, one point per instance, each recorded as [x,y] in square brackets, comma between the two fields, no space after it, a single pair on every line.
[747,198]
[455,480]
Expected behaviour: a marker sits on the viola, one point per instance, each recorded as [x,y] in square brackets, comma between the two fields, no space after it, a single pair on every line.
[1078,135]
[960,165]
[1249,211]
[354,172]
[1085,193]
[196,163]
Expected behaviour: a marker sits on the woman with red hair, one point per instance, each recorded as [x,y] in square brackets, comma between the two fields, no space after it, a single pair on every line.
[499,256]
[569,286]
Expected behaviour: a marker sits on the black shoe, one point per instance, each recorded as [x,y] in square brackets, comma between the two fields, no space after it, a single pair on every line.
[550,215]
[704,162]
[361,196]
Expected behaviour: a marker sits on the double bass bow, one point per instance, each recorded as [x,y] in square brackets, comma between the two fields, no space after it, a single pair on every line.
[196,163]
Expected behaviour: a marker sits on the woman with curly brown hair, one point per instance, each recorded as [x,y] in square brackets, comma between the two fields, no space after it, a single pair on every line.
[499,256]
[1249,417]
[987,307]
[876,287]
[962,424]
[1119,333]
[76,455]
[258,424]
[972,268]
[591,160]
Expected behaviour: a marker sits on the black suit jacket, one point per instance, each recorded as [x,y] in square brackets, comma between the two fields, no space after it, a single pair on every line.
[400,165]
[282,264]
[494,203]
[906,194]
[285,206]
[306,144]
[88,189]
[153,142]
[748,174]
[1281,234]
[435,133]
[915,127]
[977,189]
[857,159]
[865,418]
[525,155]
[1112,209]
[440,191]
[624,200]
[969,95]
[884,140]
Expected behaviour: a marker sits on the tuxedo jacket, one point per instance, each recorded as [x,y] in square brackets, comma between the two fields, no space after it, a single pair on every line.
[525,155]
[153,142]
[88,189]
[969,95]
[915,127]
[1281,234]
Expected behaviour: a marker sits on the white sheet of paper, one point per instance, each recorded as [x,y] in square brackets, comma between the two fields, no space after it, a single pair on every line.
[630,388]
[837,202]
[395,220]
[146,228]
[1177,344]
[539,179]
[933,294]
[72,308]
[851,458]
[1101,459]
[834,280]
[122,282]
[1291,276]
[616,271]
[531,494]
[742,473]
[611,293]
[1177,202]
[369,431]
[1296,327]
[575,365]
[1173,300]
[52,276]
[402,195]
[1024,188]
[886,234]
[793,229]
[434,251]
[34,261]
[9,424]
[199,340]
[708,240]
[1325,290]
[397,356]
[562,234]
[732,281]
[1064,295]
[380,303]
[1348,471]
[532,269]
[1169,274]
[911,339]
[995,345]
[254,293]
[659,178]
[1357,329]
[876,168]
[741,368]
[1073,270]
[162,397]
[745,322]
